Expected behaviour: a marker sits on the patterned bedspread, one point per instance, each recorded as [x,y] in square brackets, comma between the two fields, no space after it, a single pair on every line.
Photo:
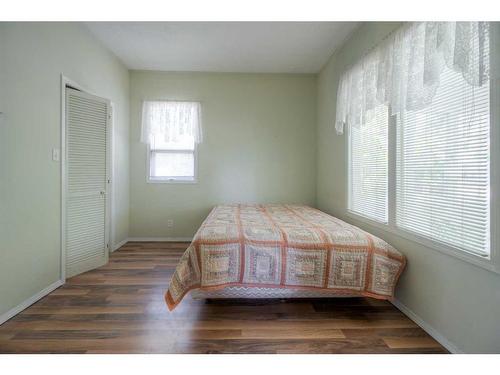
[285,246]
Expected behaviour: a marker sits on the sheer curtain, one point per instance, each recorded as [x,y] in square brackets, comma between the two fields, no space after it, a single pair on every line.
[170,121]
[404,71]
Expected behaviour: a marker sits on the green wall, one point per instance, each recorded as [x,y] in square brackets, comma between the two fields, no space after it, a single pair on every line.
[32,58]
[259,146]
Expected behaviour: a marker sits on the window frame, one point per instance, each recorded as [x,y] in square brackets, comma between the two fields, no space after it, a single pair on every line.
[492,262]
[172,179]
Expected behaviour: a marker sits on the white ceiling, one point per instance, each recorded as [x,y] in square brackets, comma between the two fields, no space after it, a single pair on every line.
[250,47]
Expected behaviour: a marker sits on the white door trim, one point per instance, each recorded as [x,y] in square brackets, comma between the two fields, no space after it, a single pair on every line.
[65,82]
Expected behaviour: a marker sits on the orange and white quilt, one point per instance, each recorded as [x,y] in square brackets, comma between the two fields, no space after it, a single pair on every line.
[285,246]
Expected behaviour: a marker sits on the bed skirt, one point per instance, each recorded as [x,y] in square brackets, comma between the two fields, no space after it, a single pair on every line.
[234,292]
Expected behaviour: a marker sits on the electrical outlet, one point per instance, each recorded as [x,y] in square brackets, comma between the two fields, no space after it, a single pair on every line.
[170,223]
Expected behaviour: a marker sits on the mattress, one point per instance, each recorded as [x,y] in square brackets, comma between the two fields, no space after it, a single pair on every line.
[284,247]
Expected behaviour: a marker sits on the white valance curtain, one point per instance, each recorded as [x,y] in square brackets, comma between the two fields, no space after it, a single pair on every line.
[170,120]
[403,72]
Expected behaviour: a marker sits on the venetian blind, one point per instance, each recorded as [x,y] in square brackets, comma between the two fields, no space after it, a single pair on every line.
[443,162]
[368,160]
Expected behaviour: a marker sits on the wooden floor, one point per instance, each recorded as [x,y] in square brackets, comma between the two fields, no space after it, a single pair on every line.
[119,308]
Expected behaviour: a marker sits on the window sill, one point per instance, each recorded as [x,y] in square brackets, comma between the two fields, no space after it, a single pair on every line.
[171,181]
[477,260]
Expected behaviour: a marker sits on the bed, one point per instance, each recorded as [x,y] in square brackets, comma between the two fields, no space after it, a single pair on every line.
[283,251]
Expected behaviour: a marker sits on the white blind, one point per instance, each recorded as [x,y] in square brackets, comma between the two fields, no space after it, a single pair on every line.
[368,160]
[443,158]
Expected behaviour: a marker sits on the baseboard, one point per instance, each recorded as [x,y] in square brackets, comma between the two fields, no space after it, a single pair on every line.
[452,348]
[16,310]
[160,239]
[119,244]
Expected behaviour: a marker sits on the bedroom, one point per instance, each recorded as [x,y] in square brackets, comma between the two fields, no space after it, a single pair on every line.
[284,187]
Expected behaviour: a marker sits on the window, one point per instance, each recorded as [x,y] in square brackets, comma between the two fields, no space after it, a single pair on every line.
[443,157]
[420,123]
[172,131]
[172,161]
[368,154]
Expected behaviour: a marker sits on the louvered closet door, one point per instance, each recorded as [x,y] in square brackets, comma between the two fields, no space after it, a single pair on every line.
[87,181]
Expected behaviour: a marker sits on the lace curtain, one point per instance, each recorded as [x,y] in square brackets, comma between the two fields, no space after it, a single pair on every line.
[403,72]
[170,120]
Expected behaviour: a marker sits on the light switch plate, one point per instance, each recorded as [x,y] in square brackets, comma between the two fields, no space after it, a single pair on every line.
[56,154]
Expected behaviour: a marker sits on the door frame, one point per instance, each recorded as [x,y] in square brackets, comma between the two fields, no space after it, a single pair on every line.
[67,82]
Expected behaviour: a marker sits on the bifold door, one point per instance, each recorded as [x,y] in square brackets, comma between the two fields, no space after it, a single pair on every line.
[87,180]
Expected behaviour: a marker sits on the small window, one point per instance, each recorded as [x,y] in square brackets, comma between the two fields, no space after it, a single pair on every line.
[172,161]
[172,132]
